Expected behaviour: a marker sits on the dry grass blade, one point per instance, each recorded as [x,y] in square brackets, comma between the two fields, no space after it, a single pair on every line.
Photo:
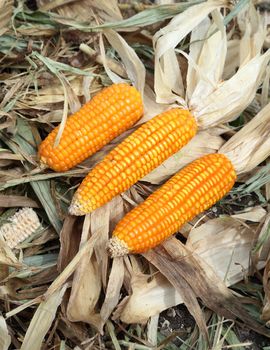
[5,339]
[174,259]
[6,9]
[42,320]
[7,201]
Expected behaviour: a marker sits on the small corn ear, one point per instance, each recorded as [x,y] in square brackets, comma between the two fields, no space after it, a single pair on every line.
[136,156]
[191,191]
[20,226]
[104,117]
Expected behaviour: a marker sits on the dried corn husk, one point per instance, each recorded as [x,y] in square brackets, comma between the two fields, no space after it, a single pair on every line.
[86,287]
[166,39]
[254,33]
[42,320]
[134,67]
[5,339]
[251,145]
[207,95]
[224,243]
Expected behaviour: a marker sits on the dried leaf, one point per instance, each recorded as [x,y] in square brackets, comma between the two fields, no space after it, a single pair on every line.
[149,297]
[251,145]
[42,320]
[211,60]
[215,109]
[5,339]
[168,38]
[223,243]
[7,201]
[100,221]
[113,289]
[254,30]
[134,67]
[86,286]
[232,61]
[6,9]
[173,259]
[255,214]
[69,239]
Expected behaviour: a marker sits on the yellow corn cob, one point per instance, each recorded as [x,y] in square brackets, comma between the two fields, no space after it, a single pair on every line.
[135,157]
[191,191]
[105,116]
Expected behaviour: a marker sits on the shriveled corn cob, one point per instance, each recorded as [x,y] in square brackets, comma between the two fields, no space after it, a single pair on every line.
[20,226]
[191,191]
[104,117]
[136,156]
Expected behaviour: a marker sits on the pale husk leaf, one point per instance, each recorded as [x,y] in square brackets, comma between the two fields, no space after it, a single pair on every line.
[167,38]
[251,24]
[211,60]
[224,243]
[42,320]
[113,289]
[178,263]
[251,145]
[5,338]
[86,286]
[255,214]
[215,109]
[100,221]
[232,58]
[197,37]
[203,143]
[148,298]
[134,67]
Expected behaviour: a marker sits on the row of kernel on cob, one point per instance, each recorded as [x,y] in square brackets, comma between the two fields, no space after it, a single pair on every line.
[191,191]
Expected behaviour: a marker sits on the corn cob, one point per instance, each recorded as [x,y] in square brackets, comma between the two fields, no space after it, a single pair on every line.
[20,226]
[105,116]
[136,156]
[191,191]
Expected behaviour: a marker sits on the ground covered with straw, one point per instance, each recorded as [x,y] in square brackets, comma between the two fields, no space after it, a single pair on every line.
[208,286]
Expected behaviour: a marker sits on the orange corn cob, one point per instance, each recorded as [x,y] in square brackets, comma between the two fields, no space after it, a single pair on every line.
[191,191]
[105,116]
[136,156]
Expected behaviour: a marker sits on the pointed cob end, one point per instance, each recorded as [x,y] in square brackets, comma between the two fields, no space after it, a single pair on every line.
[76,208]
[117,247]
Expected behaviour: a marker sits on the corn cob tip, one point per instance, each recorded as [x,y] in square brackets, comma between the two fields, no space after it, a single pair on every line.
[117,247]
[76,209]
